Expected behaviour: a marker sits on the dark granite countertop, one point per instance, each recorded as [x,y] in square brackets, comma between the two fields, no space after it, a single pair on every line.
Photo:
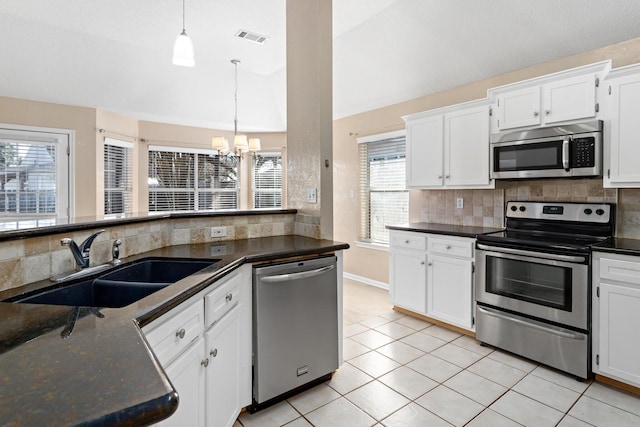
[448,229]
[104,373]
[619,246]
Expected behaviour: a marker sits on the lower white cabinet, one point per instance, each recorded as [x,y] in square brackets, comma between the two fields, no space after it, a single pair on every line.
[616,317]
[212,371]
[449,284]
[432,275]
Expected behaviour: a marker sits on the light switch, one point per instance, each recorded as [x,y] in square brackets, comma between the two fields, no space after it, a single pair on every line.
[459,203]
[312,195]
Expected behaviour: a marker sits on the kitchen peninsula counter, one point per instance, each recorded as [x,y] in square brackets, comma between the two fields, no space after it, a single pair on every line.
[104,373]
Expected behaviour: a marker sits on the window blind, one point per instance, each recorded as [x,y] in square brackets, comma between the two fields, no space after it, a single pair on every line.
[384,198]
[118,176]
[189,179]
[267,180]
[29,178]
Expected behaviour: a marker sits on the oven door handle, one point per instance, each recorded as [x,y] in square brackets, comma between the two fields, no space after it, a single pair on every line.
[555,330]
[556,257]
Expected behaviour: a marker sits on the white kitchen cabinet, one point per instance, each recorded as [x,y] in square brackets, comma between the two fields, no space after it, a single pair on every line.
[432,275]
[450,280]
[424,152]
[616,317]
[554,102]
[408,270]
[621,155]
[449,148]
[205,347]
[186,374]
[223,373]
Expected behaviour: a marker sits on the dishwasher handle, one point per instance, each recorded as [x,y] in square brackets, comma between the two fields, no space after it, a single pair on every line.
[295,276]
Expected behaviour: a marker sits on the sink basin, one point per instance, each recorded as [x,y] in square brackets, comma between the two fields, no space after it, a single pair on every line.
[123,286]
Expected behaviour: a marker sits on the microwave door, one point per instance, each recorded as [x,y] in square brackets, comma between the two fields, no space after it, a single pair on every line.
[531,159]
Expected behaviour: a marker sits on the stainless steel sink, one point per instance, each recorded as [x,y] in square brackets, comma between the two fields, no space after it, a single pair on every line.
[122,286]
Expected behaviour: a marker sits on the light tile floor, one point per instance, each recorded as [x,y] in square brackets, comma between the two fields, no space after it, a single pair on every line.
[402,371]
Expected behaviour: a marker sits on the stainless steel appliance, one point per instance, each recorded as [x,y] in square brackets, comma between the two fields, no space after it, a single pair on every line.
[295,327]
[533,282]
[552,152]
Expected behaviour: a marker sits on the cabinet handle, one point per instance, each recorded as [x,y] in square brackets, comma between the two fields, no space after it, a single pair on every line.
[205,362]
[406,242]
[439,176]
[448,247]
[214,352]
[229,297]
[547,112]
[446,177]
[536,114]
[180,334]
[421,262]
[430,264]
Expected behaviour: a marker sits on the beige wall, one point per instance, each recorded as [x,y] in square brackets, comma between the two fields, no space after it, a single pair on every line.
[438,206]
[91,126]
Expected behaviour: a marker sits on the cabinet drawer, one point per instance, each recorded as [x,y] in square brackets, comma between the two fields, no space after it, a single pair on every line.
[222,299]
[401,239]
[461,248]
[174,334]
[620,270]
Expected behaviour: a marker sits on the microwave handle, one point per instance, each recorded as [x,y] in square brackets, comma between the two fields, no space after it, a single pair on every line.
[565,153]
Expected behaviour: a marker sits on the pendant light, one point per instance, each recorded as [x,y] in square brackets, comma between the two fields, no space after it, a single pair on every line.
[183,47]
[240,143]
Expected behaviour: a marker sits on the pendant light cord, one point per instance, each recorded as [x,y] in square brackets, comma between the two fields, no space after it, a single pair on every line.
[183,26]
[235,62]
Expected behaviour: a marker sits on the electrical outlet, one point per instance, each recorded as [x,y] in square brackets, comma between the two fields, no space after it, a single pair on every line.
[218,231]
[459,203]
[312,195]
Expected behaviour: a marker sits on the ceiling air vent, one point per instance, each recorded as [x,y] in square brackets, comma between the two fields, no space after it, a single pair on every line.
[253,37]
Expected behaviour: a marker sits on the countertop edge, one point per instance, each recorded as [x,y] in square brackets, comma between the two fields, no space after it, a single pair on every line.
[445,229]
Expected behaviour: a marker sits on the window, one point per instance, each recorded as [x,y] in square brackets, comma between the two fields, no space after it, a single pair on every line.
[190,179]
[384,198]
[118,176]
[34,174]
[267,180]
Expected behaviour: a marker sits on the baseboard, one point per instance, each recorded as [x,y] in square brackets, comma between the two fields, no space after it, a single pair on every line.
[618,384]
[366,281]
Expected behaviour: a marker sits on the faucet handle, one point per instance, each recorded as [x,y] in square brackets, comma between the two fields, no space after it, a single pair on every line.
[115,252]
[66,241]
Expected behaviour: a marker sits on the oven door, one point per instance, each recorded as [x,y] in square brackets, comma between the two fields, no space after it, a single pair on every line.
[546,286]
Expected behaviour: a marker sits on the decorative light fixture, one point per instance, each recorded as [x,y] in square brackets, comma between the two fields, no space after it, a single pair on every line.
[240,143]
[183,47]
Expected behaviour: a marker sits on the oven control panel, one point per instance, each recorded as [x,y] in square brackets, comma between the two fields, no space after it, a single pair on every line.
[561,211]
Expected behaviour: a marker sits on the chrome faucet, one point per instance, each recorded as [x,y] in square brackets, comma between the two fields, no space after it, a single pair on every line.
[80,253]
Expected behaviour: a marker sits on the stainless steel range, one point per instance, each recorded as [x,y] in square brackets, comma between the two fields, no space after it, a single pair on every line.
[533,282]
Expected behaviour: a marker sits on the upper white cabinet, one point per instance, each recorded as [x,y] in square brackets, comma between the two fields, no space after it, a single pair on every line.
[449,147]
[621,154]
[561,97]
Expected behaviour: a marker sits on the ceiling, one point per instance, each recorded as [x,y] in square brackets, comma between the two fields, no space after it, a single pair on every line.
[116,54]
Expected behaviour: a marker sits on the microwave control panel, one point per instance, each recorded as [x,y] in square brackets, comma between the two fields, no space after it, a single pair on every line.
[583,153]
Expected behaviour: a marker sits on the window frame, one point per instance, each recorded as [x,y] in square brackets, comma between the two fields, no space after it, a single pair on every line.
[128,190]
[254,190]
[365,238]
[194,189]
[64,140]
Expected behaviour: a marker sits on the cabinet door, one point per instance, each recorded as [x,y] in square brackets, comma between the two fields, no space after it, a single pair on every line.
[449,290]
[569,99]
[466,147]
[519,108]
[407,279]
[186,373]
[223,372]
[624,153]
[424,152]
[619,322]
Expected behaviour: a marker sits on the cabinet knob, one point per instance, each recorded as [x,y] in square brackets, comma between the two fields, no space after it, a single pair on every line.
[205,363]
[439,176]
[181,333]
[446,177]
[430,264]
[229,297]
[406,242]
[448,247]
[214,352]
[422,263]
[547,112]
[536,114]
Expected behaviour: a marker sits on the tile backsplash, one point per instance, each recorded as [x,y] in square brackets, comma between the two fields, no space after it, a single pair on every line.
[486,207]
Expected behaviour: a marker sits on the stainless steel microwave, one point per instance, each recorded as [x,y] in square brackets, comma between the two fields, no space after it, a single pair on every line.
[554,152]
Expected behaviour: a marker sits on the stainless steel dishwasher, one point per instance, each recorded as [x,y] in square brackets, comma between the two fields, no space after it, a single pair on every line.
[295,327]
